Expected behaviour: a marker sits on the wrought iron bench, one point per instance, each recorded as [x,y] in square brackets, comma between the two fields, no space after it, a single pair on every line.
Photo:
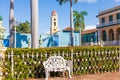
[57,63]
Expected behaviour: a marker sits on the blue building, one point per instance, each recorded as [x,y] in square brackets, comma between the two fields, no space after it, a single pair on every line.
[57,39]
[90,37]
[60,38]
[22,40]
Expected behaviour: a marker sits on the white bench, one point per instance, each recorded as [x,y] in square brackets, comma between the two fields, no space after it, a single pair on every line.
[57,63]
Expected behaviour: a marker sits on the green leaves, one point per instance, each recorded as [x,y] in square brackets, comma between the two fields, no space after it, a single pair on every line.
[24,27]
[79,20]
[86,60]
[62,1]
[65,1]
[75,1]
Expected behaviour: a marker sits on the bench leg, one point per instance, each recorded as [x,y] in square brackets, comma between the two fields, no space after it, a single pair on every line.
[69,72]
[69,75]
[63,73]
[47,74]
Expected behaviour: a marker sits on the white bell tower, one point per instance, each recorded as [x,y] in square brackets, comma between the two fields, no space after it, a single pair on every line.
[54,22]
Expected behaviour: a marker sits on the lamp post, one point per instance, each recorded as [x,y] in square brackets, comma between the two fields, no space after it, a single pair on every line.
[15,37]
[28,42]
[40,41]
[15,24]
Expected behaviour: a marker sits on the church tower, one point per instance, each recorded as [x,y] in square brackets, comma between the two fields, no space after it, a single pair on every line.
[54,22]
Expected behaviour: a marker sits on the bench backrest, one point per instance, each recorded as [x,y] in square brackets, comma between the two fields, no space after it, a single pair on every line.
[55,62]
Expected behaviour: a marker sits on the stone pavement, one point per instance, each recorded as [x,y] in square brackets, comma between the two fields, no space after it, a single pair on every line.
[98,76]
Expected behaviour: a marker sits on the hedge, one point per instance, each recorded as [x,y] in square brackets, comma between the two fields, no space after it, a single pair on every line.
[86,60]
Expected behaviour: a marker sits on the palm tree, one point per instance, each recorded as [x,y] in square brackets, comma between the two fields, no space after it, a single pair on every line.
[11,22]
[71,16]
[79,23]
[34,23]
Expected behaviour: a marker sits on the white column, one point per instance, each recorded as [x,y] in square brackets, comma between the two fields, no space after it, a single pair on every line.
[34,23]
[115,38]
[119,39]
[99,36]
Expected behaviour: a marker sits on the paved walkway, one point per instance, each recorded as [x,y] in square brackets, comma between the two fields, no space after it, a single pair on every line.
[101,76]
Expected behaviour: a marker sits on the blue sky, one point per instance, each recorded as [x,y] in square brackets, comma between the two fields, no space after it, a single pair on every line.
[22,12]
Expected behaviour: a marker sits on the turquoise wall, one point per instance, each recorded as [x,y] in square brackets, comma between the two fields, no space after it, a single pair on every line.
[58,39]
[61,38]
[21,40]
[89,37]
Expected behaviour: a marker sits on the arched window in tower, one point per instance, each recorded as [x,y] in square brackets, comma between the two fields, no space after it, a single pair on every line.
[54,19]
[54,29]
[54,23]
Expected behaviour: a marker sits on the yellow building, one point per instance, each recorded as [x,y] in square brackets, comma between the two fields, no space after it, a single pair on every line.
[54,22]
[109,26]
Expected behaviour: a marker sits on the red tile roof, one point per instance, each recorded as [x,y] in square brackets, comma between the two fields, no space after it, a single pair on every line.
[89,31]
[54,12]
[68,29]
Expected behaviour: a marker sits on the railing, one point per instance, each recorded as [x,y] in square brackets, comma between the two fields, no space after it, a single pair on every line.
[22,65]
[108,43]
[104,43]
[109,23]
[90,44]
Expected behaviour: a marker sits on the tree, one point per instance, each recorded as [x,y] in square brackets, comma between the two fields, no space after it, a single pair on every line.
[34,23]
[79,23]
[24,27]
[11,22]
[71,16]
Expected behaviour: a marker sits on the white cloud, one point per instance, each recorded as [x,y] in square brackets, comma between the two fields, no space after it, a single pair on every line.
[117,0]
[90,27]
[89,1]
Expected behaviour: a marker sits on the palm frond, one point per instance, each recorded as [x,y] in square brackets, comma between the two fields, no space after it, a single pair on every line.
[75,1]
[62,1]
[84,13]
[79,19]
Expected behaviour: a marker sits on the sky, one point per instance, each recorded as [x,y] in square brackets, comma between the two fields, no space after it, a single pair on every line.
[22,12]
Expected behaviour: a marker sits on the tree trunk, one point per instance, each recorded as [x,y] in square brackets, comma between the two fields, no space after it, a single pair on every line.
[34,23]
[71,24]
[11,23]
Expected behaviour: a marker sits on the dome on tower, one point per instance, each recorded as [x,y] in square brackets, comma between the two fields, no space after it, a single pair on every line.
[54,12]
[1,18]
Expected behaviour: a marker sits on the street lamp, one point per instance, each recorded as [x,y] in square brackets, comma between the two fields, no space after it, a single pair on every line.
[15,24]
[15,37]
[40,41]
[28,42]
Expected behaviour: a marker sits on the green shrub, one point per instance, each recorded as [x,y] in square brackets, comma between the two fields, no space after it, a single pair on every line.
[86,60]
